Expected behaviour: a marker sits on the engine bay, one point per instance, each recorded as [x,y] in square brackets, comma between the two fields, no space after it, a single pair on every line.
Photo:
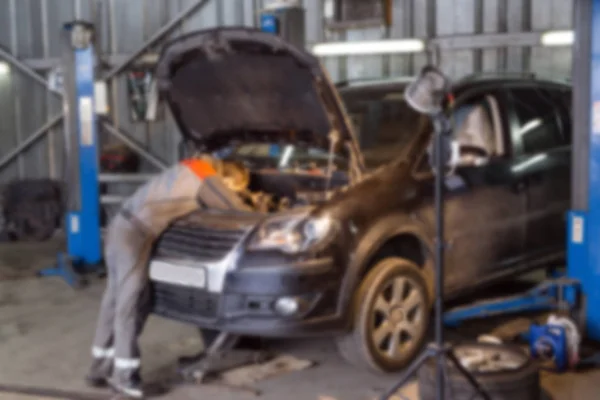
[271,190]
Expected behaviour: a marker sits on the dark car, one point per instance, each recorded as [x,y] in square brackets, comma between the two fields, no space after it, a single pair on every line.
[343,246]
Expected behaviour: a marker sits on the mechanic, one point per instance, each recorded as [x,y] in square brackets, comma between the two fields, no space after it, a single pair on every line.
[190,185]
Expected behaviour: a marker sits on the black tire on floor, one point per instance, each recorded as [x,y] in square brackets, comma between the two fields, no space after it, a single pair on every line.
[359,347]
[519,384]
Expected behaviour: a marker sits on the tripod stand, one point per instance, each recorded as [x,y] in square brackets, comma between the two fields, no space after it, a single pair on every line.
[439,350]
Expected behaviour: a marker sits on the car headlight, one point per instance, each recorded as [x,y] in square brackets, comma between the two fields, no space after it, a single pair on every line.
[293,234]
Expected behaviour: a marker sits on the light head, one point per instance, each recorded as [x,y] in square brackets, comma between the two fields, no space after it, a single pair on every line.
[426,94]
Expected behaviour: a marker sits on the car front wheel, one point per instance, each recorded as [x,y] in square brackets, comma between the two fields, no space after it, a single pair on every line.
[390,315]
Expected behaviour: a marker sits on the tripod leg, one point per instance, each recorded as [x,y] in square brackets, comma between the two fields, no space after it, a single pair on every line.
[407,375]
[468,376]
[449,389]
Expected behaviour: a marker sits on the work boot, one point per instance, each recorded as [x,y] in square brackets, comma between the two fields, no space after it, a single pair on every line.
[99,372]
[128,384]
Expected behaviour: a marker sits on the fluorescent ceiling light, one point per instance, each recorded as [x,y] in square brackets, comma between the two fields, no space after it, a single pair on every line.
[558,38]
[278,4]
[369,47]
[4,68]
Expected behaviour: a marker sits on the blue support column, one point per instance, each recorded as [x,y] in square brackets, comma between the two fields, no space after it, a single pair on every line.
[84,247]
[584,219]
[84,226]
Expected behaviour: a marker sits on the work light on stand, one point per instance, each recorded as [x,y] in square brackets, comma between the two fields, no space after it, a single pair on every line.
[426,95]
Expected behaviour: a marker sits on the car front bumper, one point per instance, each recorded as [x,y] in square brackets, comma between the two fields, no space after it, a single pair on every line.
[244,301]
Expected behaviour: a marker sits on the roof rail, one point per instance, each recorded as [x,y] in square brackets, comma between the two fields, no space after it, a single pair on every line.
[373,80]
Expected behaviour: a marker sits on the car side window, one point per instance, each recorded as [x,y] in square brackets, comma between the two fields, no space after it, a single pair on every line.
[385,124]
[539,123]
[476,126]
[563,100]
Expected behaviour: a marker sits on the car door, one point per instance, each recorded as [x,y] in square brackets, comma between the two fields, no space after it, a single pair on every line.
[540,124]
[484,209]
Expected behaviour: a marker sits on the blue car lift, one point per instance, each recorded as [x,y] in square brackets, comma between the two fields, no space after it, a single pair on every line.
[579,290]
[84,249]
[561,294]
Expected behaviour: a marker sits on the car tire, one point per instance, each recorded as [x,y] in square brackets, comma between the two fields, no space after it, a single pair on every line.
[390,317]
[520,383]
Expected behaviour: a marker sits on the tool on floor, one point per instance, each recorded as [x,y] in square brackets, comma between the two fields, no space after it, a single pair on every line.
[220,356]
[557,341]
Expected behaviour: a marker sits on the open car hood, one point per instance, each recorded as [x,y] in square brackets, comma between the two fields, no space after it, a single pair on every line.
[233,84]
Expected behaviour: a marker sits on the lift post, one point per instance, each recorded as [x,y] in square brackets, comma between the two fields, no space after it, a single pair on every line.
[84,248]
[584,218]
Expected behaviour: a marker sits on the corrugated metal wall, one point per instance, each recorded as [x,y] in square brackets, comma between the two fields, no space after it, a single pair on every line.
[30,29]
[433,18]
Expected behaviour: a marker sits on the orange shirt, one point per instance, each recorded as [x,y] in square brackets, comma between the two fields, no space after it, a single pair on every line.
[202,169]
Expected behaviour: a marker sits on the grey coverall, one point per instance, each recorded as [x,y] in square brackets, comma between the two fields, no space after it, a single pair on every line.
[181,189]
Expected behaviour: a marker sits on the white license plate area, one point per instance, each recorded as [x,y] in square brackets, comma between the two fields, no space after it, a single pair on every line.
[177,274]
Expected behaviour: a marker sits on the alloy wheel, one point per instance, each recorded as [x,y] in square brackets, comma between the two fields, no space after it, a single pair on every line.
[398,317]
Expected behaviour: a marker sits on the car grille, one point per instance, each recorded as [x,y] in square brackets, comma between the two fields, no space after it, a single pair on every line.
[197,242]
[184,302]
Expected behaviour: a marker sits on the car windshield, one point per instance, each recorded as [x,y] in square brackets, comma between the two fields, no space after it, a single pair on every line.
[383,122]
[286,157]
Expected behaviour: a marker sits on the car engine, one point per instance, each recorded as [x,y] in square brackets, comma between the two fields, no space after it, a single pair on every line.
[272,190]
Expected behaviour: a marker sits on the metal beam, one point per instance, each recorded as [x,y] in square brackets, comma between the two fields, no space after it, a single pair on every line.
[25,68]
[109,199]
[50,144]
[580,73]
[124,178]
[165,30]
[488,40]
[453,42]
[125,137]
[48,63]
[34,137]
[132,144]
[16,85]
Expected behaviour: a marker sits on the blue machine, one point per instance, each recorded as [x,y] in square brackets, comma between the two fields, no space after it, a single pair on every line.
[550,343]
[286,19]
[84,248]
[269,23]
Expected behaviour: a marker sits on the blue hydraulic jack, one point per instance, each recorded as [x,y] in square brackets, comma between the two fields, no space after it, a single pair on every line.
[561,294]
[558,340]
[84,248]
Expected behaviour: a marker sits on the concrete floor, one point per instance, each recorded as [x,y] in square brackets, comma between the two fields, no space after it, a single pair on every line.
[46,329]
